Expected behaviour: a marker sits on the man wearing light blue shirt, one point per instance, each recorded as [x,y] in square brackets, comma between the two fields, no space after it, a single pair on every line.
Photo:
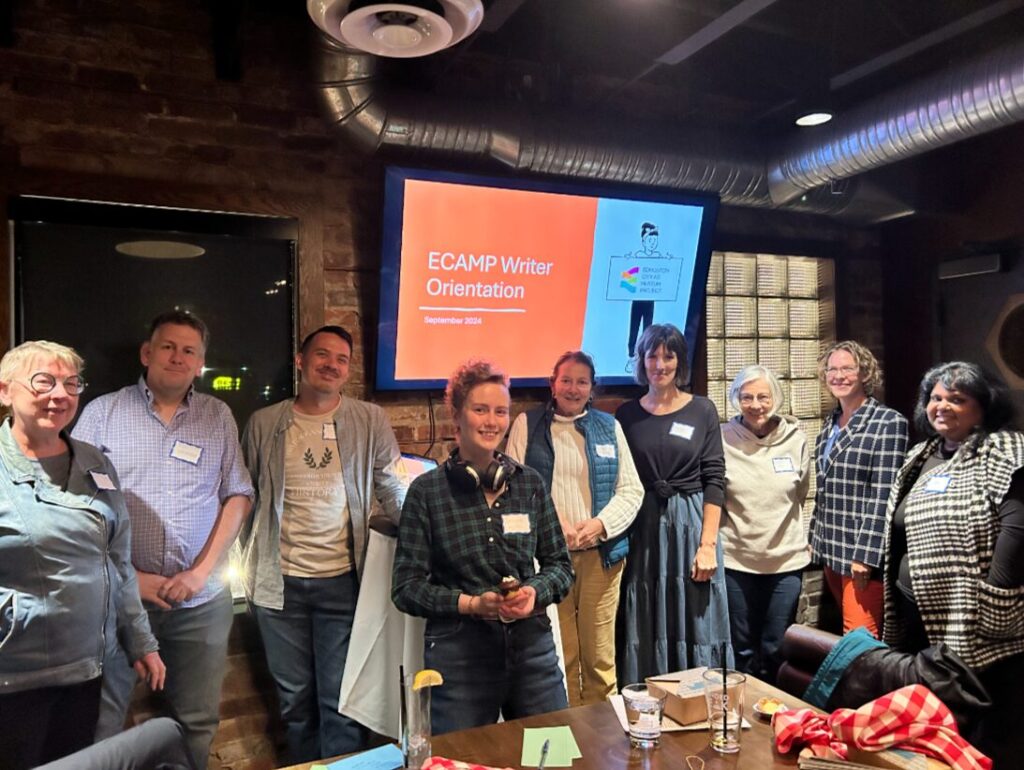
[187,491]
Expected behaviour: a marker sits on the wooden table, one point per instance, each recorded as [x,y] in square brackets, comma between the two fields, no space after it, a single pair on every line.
[605,745]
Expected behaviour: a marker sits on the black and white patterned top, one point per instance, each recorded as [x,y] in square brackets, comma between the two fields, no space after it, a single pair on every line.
[952,521]
[854,479]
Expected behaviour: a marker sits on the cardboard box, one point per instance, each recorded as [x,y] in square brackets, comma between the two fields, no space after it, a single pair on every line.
[685,690]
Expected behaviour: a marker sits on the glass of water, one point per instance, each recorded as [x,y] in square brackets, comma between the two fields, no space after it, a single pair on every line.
[415,737]
[724,692]
[643,715]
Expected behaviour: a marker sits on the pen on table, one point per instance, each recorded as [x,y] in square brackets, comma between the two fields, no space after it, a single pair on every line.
[544,754]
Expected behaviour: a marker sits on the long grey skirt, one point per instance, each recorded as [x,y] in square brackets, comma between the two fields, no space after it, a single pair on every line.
[667,621]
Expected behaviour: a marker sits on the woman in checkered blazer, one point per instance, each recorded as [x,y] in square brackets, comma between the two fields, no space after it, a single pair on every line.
[954,551]
[859,450]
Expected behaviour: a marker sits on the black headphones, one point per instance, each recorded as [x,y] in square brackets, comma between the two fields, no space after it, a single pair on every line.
[468,478]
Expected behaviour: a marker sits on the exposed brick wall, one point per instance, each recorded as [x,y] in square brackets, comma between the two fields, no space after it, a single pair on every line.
[118,101]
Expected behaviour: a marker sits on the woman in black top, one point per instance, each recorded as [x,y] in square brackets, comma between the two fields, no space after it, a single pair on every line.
[673,613]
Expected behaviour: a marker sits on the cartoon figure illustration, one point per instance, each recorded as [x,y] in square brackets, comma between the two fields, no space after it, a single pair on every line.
[641,311]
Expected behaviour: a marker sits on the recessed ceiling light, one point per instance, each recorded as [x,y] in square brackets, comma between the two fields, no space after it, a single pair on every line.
[160,249]
[814,118]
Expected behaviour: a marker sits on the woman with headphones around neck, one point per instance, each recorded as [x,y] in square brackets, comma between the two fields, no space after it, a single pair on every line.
[582,455]
[466,528]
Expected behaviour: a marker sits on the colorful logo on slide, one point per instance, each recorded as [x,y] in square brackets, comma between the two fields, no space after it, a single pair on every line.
[628,281]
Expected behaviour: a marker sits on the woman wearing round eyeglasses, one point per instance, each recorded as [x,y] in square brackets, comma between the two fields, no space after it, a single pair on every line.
[859,450]
[767,473]
[65,550]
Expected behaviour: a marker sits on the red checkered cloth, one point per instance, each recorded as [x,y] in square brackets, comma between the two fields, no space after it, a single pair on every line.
[440,763]
[911,718]
[795,728]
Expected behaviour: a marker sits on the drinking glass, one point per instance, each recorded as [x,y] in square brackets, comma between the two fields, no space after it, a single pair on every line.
[643,715]
[724,693]
[415,726]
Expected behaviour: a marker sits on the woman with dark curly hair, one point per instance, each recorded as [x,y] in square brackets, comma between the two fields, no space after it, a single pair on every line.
[954,571]
[858,452]
[674,609]
[467,541]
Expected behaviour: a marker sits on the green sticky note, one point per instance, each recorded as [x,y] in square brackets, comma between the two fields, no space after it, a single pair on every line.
[562,747]
[318,767]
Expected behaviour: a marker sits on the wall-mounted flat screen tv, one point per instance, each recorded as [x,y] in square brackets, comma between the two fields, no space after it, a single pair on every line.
[519,271]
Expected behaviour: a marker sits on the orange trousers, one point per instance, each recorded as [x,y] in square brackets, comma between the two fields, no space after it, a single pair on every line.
[860,607]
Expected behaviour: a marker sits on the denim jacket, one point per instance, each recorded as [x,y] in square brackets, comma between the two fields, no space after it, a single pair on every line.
[62,553]
[368,452]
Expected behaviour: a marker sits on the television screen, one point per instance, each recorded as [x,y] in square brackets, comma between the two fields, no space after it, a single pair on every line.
[521,271]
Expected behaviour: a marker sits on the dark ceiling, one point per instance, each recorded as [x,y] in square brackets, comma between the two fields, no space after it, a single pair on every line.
[626,57]
[603,55]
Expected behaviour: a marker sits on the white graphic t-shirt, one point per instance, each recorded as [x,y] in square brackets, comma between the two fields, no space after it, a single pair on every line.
[315,532]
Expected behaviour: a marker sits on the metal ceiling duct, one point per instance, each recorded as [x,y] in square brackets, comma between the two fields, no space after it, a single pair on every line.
[982,95]
[942,109]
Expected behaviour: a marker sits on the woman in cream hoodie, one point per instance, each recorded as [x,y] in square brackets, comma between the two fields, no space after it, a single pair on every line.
[767,472]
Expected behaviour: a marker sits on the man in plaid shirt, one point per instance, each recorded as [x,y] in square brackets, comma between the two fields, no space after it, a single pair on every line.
[187,491]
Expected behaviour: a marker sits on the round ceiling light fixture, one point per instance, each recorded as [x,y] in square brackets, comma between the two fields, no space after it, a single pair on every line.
[814,118]
[159,249]
[398,30]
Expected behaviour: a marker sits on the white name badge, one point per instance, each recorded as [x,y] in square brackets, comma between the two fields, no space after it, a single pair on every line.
[189,453]
[102,480]
[516,523]
[681,430]
[606,450]
[937,484]
[783,464]
[328,432]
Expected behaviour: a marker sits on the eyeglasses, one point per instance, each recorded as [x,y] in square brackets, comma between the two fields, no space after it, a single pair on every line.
[43,382]
[846,371]
[761,398]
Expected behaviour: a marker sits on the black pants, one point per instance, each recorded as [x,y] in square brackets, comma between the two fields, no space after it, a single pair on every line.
[640,311]
[47,723]
[1000,735]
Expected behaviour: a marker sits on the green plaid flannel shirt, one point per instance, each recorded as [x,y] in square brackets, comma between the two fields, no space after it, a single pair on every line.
[450,542]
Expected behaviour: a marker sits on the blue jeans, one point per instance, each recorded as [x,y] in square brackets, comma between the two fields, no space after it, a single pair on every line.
[491,668]
[306,644]
[761,608]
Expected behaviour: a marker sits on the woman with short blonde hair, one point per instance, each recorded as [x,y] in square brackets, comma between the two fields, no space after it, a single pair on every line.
[66,548]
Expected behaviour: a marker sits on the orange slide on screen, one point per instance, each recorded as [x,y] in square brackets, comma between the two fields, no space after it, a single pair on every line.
[491,272]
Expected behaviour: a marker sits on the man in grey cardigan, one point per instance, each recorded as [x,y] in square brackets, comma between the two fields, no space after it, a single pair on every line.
[317,462]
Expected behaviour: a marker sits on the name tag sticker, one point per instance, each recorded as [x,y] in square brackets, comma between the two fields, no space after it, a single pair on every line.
[328,432]
[516,523]
[681,430]
[937,484]
[189,453]
[783,464]
[102,480]
[606,450]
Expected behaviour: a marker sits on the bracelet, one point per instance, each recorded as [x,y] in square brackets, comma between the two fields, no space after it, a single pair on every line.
[712,544]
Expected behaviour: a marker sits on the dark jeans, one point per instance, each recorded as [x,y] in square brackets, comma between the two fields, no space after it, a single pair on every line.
[47,723]
[306,644]
[641,312]
[761,608]
[490,667]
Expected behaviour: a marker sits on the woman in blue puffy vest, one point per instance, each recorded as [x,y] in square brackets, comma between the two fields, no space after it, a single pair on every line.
[582,455]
